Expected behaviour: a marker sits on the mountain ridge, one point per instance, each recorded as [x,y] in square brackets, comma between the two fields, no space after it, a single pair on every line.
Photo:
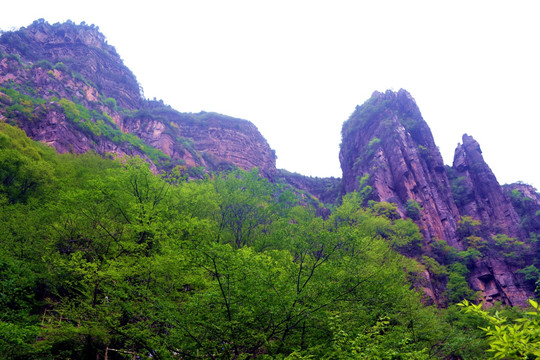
[65,86]
[71,67]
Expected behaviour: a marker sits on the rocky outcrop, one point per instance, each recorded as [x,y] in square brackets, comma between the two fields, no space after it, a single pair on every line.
[387,139]
[211,140]
[51,70]
[526,190]
[481,198]
[79,49]
[387,146]
[486,201]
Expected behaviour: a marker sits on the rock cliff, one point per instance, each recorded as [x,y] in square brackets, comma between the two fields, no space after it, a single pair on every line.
[387,139]
[485,200]
[65,86]
[386,145]
[81,49]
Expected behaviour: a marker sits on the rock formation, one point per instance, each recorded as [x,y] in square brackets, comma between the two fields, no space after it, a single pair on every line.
[387,145]
[81,49]
[388,139]
[486,201]
[67,68]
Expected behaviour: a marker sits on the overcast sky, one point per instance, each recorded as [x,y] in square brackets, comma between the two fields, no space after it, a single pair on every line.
[297,69]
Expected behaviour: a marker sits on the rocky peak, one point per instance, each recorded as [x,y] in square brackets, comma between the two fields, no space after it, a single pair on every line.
[386,144]
[65,86]
[387,139]
[80,49]
[486,200]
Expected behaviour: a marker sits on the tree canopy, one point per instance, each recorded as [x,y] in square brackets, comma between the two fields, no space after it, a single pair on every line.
[103,258]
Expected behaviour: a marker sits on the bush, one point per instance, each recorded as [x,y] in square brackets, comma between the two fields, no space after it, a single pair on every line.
[413,209]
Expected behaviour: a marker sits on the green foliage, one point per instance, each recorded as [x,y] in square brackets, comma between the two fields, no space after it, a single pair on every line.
[44,64]
[457,288]
[470,255]
[101,124]
[363,116]
[19,106]
[110,103]
[413,209]
[519,339]
[368,151]
[23,166]
[437,270]
[363,188]
[527,210]
[532,276]
[104,254]
[511,248]
[385,209]
[467,226]
[461,189]
[444,253]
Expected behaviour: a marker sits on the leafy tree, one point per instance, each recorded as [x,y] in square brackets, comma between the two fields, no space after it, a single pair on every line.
[457,288]
[413,209]
[245,206]
[23,165]
[519,339]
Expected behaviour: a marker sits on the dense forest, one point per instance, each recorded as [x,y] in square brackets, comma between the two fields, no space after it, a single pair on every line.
[102,258]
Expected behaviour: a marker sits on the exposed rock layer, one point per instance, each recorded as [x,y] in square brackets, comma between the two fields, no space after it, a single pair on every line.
[486,202]
[74,62]
[387,139]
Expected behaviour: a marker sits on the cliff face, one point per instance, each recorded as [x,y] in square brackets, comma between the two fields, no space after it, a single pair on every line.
[205,139]
[81,49]
[388,139]
[65,86]
[486,201]
[387,145]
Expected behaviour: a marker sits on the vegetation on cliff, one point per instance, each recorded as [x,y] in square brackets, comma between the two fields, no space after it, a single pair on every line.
[102,256]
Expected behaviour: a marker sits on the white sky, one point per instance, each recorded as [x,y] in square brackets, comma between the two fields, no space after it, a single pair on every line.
[297,69]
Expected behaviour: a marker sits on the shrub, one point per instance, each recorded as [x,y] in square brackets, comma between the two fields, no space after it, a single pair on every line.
[110,103]
[44,64]
[468,226]
[457,288]
[413,209]
[437,270]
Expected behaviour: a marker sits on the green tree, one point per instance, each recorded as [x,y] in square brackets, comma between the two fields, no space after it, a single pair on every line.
[519,339]
[246,207]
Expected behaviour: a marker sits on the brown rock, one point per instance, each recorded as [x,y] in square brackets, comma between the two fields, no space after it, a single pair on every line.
[388,139]
[488,203]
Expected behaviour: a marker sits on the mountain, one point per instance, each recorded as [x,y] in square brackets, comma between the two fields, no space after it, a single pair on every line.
[388,147]
[65,86]
[387,139]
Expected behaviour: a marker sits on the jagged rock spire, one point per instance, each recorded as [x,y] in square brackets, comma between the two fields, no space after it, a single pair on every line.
[388,139]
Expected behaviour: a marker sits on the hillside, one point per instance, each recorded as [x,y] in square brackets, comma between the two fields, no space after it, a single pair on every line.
[67,87]
[131,229]
[387,143]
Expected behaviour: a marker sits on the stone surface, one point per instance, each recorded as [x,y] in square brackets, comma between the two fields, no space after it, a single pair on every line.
[388,139]
[487,202]
[90,73]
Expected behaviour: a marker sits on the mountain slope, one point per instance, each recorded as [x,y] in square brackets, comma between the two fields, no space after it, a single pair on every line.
[67,87]
[388,148]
